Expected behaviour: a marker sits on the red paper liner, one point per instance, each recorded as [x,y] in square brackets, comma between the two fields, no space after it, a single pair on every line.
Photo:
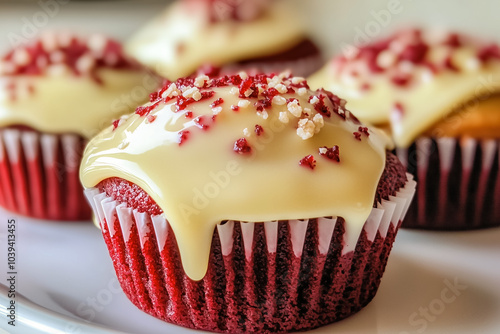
[458,183]
[39,175]
[268,277]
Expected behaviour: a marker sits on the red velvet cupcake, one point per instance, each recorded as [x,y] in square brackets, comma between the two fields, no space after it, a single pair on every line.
[246,204]
[436,92]
[255,36]
[58,91]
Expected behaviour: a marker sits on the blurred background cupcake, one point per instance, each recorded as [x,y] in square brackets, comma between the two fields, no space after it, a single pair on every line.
[437,92]
[256,36]
[286,224]
[56,92]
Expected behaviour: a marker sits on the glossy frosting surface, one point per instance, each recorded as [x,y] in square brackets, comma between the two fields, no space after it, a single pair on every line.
[183,38]
[251,162]
[413,79]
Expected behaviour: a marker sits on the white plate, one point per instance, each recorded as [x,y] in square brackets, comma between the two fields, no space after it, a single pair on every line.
[66,269]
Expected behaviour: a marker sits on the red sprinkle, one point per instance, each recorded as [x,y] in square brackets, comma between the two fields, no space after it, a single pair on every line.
[235,108]
[308,161]
[183,136]
[332,153]
[241,146]
[357,135]
[217,102]
[188,114]
[115,124]
[151,118]
[259,129]
[200,122]
[364,130]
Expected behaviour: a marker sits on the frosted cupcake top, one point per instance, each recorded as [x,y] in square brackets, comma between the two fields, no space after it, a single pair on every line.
[254,149]
[62,83]
[412,79]
[195,32]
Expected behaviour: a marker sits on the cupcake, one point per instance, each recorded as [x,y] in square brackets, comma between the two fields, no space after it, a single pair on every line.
[55,93]
[246,204]
[438,94]
[233,35]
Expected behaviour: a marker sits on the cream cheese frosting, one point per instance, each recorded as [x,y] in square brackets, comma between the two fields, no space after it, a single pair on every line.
[64,84]
[242,148]
[413,79]
[183,38]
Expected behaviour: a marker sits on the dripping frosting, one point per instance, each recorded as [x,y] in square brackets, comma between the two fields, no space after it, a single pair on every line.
[242,148]
[61,83]
[183,38]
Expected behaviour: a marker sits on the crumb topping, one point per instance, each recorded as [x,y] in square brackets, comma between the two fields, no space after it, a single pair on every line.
[410,56]
[58,53]
[262,94]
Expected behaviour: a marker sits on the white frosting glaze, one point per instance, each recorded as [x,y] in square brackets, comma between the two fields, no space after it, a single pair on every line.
[427,98]
[181,39]
[65,103]
[203,181]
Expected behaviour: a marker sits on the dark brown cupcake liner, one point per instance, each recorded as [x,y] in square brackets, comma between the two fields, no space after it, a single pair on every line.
[458,183]
[264,277]
[39,175]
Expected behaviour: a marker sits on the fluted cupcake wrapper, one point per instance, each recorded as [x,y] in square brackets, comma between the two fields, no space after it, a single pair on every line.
[458,183]
[39,175]
[275,276]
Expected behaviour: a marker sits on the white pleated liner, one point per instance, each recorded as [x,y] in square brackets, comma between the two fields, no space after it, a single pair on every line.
[388,212]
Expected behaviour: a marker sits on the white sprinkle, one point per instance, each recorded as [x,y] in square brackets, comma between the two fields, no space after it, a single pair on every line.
[318,122]
[283,117]
[243,103]
[192,92]
[271,83]
[314,100]
[85,63]
[263,114]
[248,92]
[216,110]
[200,80]
[49,41]
[281,88]
[305,128]
[21,57]
[323,150]
[298,80]
[285,74]
[427,76]
[234,91]
[307,110]
[243,75]
[386,59]
[279,100]
[472,64]
[294,108]
[302,91]
[246,132]
[97,43]
[171,91]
